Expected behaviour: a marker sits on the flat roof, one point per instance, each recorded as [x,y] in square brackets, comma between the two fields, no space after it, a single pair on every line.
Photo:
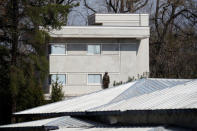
[101,32]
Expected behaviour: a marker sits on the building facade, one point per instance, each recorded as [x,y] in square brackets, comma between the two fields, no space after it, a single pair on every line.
[113,43]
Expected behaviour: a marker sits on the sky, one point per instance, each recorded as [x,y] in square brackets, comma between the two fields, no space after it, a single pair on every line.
[78,15]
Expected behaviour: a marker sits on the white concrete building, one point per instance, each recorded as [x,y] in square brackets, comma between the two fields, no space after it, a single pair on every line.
[113,43]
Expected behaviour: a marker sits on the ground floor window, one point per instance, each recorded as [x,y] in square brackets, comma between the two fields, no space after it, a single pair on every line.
[61,78]
[94,78]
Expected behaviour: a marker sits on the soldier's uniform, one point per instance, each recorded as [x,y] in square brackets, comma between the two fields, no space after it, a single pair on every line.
[106,81]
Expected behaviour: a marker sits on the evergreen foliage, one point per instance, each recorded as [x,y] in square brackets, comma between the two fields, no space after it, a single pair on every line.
[57,94]
[23,56]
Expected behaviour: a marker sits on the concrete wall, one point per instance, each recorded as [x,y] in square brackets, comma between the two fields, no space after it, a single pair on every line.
[142,63]
[122,58]
[101,32]
[83,64]
[119,19]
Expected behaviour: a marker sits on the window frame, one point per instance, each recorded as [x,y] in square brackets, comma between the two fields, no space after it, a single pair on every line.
[93,53]
[66,81]
[66,50]
[98,84]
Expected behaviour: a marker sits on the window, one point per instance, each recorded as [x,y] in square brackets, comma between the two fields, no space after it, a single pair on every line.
[94,49]
[110,49]
[94,79]
[76,49]
[61,78]
[58,49]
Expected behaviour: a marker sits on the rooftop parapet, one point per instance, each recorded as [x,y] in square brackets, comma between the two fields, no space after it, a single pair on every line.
[119,19]
[108,26]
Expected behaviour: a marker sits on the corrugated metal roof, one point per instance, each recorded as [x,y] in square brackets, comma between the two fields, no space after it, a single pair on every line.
[146,86]
[114,129]
[60,122]
[81,103]
[37,123]
[123,129]
[182,96]
[67,123]
[72,124]
[142,92]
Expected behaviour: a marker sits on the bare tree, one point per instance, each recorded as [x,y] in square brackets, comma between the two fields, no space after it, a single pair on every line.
[172,33]
[121,6]
[167,14]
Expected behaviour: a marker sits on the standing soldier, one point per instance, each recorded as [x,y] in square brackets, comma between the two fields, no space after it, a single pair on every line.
[106,80]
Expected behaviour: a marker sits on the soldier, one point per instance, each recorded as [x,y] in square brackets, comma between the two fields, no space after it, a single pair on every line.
[106,80]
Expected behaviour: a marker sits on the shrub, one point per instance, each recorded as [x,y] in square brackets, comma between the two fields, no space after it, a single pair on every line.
[57,93]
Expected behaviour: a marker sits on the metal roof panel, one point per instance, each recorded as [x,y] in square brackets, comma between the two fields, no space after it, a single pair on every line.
[142,94]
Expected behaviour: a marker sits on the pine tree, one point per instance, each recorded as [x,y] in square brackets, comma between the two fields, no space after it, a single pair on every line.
[23,45]
[56,94]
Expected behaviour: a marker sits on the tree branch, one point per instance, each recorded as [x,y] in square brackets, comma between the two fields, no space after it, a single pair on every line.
[86,5]
[144,4]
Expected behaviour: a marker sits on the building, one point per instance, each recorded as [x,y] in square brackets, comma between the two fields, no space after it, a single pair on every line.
[113,43]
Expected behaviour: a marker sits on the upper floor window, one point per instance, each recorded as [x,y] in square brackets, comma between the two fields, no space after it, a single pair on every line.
[58,49]
[60,78]
[94,78]
[94,49]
